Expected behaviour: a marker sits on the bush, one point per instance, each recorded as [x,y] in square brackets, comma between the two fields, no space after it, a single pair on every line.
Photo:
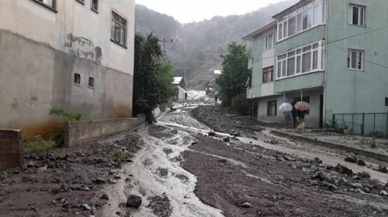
[58,135]
[38,144]
[240,104]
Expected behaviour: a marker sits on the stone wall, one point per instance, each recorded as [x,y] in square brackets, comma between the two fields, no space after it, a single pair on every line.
[82,133]
[11,153]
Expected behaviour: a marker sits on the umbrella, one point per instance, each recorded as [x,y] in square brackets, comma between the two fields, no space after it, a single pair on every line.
[285,107]
[302,106]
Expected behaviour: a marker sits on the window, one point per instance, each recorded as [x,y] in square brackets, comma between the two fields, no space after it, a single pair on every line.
[49,3]
[356,59]
[357,15]
[386,101]
[118,29]
[268,74]
[272,108]
[91,82]
[95,5]
[305,99]
[301,19]
[268,42]
[301,60]
[77,78]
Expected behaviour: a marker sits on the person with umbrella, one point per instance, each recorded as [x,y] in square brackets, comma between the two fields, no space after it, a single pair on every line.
[301,107]
[286,108]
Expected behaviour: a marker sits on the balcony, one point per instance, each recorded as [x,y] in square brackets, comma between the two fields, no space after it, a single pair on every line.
[306,81]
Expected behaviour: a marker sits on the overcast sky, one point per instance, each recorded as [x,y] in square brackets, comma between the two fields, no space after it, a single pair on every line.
[186,11]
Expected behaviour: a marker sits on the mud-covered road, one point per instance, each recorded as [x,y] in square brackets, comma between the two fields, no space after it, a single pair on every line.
[181,168]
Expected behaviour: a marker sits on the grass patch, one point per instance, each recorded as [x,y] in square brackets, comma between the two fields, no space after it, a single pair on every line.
[120,155]
[38,144]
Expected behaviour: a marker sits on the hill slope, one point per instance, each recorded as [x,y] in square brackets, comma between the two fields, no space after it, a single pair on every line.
[196,47]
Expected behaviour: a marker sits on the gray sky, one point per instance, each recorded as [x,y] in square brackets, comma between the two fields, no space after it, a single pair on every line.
[197,10]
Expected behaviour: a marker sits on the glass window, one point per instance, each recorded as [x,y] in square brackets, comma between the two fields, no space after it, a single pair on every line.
[356,60]
[118,29]
[292,26]
[291,66]
[306,62]
[357,15]
[315,60]
[307,18]
[298,64]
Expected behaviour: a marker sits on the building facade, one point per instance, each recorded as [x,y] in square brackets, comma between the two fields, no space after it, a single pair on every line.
[74,54]
[180,84]
[329,53]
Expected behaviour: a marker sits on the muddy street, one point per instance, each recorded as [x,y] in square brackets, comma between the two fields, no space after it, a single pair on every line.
[184,166]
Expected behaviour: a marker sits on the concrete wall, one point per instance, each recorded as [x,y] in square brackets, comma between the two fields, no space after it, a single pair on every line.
[40,51]
[11,152]
[82,133]
[350,91]
[181,93]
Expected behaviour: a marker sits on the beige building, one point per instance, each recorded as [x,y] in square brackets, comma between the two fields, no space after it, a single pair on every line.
[75,54]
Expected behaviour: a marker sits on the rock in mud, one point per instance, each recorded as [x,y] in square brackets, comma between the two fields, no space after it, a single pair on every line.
[104,197]
[329,186]
[344,170]
[383,193]
[85,207]
[211,133]
[227,139]
[383,169]
[351,159]
[160,206]
[364,174]
[361,163]
[323,176]
[134,201]
[246,205]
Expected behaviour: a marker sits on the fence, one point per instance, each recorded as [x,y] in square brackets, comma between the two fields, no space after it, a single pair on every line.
[375,124]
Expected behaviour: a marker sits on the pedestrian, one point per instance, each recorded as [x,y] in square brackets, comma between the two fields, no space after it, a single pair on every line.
[287,119]
[294,113]
[185,96]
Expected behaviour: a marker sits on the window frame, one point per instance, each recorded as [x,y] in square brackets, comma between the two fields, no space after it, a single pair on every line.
[53,8]
[125,26]
[97,4]
[75,79]
[359,7]
[91,82]
[298,56]
[386,101]
[268,43]
[266,71]
[349,63]
[309,9]
[272,103]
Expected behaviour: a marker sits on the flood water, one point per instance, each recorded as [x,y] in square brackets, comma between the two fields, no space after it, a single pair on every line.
[155,172]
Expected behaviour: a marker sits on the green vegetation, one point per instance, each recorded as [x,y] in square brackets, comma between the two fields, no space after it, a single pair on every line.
[58,135]
[153,77]
[39,144]
[240,104]
[235,73]
[119,155]
[377,135]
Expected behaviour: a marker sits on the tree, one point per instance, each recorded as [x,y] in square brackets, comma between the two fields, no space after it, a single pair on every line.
[234,74]
[152,77]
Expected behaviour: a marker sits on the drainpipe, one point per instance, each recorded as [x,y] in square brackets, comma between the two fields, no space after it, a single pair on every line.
[326,63]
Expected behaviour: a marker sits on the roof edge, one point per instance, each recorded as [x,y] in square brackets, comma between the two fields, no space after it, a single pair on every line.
[250,36]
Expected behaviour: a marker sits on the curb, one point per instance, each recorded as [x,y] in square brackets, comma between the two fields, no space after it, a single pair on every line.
[370,154]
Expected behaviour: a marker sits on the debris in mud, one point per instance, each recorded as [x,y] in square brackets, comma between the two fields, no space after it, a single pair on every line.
[351,159]
[167,151]
[160,206]
[361,163]
[211,133]
[182,177]
[383,169]
[134,201]
[162,172]
[246,205]
[227,139]
[344,170]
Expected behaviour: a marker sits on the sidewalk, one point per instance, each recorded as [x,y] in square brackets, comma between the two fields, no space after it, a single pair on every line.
[369,147]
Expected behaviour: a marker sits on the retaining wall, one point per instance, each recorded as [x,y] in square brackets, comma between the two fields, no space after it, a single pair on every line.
[83,133]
